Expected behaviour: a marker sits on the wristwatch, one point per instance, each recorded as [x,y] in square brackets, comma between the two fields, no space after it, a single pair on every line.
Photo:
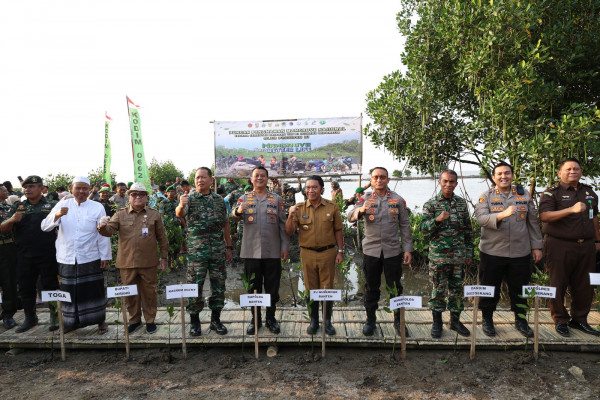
[340,251]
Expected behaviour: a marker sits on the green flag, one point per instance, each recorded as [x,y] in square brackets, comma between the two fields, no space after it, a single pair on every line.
[140,168]
[107,158]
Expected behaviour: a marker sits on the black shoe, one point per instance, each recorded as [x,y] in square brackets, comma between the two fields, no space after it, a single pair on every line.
[215,323]
[9,323]
[487,325]
[369,327]
[584,327]
[252,327]
[273,325]
[562,330]
[134,327]
[195,329]
[30,322]
[523,327]
[458,326]
[151,328]
[329,329]
[437,326]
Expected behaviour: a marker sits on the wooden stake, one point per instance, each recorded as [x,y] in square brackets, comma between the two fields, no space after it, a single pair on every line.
[63,351]
[256,323]
[535,328]
[474,327]
[402,334]
[125,325]
[323,330]
[183,344]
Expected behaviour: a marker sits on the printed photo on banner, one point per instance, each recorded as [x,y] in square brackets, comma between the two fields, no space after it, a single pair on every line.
[297,147]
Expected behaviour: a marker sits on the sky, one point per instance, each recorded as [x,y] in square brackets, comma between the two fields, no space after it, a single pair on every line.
[186,63]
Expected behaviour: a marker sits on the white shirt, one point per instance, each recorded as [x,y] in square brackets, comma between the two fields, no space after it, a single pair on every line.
[78,239]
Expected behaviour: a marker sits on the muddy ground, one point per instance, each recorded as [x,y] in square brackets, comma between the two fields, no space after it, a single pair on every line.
[345,373]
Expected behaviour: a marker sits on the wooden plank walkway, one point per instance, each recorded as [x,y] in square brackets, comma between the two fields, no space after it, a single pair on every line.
[348,322]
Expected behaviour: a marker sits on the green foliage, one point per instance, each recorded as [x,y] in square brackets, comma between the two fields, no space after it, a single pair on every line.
[247,281]
[488,81]
[397,173]
[163,171]
[407,172]
[96,176]
[174,234]
[60,179]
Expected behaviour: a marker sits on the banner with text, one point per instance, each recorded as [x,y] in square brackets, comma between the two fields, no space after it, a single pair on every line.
[107,155]
[140,168]
[322,146]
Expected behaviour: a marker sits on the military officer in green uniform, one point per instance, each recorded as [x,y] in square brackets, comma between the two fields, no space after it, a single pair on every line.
[510,236]
[167,207]
[110,207]
[446,225]
[230,186]
[36,253]
[8,266]
[209,244]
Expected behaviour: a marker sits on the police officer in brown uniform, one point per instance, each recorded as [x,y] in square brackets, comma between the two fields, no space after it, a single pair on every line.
[386,222]
[569,212]
[320,227]
[510,236]
[264,243]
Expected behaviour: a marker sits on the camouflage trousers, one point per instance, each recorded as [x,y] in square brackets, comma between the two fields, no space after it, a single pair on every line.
[447,278]
[196,273]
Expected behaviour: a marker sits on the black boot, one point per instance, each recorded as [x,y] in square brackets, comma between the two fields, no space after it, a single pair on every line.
[8,321]
[31,319]
[436,328]
[487,322]
[329,329]
[253,325]
[314,318]
[195,329]
[53,325]
[369,327]
[215,323]
[523,327]
[272,323]
[397,324]
[458,326]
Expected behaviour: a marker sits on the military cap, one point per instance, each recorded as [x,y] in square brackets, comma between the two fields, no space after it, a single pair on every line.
[104,189]
[172,187]
[33,179]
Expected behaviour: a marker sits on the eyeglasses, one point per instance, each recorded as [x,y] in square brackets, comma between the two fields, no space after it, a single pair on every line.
[379,177]
[138,194]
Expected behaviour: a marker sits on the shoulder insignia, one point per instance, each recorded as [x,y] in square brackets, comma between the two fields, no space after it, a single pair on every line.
[481,199]
[554,187]
[548,194]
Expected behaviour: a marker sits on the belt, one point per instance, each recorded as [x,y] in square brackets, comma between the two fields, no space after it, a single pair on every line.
[572,240]
[210,229]
[6,241]
[320,249]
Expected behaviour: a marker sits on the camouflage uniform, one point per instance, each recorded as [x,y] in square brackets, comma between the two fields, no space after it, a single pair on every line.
[8,267]
[450,243]
[206,215]
[166,208]
[230,187]
[289,196]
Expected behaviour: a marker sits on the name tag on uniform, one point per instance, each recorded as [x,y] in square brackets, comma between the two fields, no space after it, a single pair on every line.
[144,232]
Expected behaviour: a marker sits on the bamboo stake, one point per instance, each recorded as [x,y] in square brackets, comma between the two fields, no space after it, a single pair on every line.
[256,324]
[402,334]
[63,351]
[183,344]
[323,329]
[536,326]
[125,325]
[474,327]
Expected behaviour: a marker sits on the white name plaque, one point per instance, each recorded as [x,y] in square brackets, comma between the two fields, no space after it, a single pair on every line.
[121,291]
[259,299]
[55,295]
[594,279]
[326,294]
[406,301]
[479,291]
[179,291]
[541,291]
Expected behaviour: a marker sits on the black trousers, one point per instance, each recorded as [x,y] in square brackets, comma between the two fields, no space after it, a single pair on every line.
[373,267]
[267,274]
[492,269]
[29,268]
[8,278]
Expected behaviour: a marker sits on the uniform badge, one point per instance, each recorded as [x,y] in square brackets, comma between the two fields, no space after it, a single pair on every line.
[481,199]
[371,210]
[522,215]
[496,199]
[328,214]
[250,211]
[371,217]
[393,217]
[251,219]
[272,218]
[305,227]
